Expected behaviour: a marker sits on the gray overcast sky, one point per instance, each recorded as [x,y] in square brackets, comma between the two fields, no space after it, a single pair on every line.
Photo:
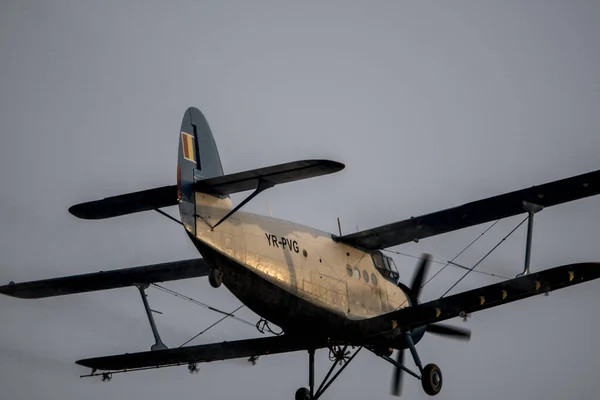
[429,104]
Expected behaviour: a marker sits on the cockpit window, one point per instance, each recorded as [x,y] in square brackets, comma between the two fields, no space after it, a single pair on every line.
[386,266]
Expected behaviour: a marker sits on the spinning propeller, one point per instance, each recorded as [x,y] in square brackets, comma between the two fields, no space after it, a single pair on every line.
[439,329]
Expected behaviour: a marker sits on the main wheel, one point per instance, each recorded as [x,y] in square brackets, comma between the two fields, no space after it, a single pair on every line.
[302,394]
[215,277]
[432,379]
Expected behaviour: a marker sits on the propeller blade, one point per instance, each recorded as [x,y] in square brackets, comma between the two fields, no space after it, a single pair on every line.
[420,275]
[397,379]
[447,330]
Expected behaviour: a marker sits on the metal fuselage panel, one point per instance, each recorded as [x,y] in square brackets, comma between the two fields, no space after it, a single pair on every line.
[270,263]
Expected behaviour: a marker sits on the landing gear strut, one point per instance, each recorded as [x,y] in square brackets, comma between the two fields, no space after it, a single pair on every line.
[341,356]
[431,375]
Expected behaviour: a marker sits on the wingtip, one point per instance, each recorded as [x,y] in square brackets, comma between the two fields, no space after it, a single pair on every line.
[83,211]
[335,166]
[76,211]
[332,164]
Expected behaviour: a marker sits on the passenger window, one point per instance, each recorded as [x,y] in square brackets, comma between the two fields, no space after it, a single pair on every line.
[366,276]
[356,273]
[373,279]
[348,270]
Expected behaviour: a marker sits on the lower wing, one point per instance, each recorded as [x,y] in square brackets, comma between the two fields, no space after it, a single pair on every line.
[203,353]
[486,297]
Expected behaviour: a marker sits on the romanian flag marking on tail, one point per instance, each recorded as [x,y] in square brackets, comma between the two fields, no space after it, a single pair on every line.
[187,142]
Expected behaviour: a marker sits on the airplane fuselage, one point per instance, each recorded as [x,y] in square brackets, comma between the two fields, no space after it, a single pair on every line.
[290,274]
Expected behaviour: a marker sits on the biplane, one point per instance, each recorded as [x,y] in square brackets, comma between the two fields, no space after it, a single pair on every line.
[323,290]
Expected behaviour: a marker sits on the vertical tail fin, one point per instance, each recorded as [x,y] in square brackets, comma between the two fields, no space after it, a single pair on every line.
[198,159]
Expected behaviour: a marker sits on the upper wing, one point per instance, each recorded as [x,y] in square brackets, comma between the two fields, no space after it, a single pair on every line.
[474,213]
[276,174]
[107,279]
[202,353]
[487,296]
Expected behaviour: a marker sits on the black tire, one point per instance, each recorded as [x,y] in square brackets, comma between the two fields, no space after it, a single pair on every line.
[302,394]
[215,277]
[432,379]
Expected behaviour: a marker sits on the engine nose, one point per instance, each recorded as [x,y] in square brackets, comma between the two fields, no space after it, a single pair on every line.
[417,334]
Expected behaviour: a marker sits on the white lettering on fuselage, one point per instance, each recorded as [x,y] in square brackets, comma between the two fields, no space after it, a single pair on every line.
[274,241]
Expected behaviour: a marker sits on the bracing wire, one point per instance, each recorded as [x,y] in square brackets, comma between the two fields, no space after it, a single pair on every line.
[451,261]
[199,303]
[212,325]
[452,264]
[462,251]
[485,256]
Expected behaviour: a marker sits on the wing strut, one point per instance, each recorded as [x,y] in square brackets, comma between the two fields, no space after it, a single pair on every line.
[531,210]
[158,345]
[263,185]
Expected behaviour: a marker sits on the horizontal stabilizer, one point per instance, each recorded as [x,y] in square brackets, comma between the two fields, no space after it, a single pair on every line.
[274,175]
[475,213]
[129,203]
[104,280]
[488,296]
[202,353]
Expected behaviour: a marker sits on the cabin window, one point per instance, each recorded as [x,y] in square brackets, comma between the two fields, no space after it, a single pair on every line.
[356,273]
[385,265]
[373,279]
[348,270]
[365,276]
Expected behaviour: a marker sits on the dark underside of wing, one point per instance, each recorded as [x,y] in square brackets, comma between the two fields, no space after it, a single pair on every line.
[202,353]
[153,199]
[273,175]
[129,203]
[474,213]
[489,296]
[104,280]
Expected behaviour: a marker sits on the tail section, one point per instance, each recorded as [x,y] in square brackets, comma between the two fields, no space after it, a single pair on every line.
[198,159]
[202,191]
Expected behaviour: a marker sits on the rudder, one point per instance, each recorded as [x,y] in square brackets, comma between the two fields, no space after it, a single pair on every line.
[198,159]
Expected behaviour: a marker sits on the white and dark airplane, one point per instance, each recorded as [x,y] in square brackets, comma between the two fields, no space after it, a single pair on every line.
[323,290]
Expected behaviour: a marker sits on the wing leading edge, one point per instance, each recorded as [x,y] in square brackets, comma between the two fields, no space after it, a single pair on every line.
[104,280]
[475,213]
[487,296]
[203,353]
